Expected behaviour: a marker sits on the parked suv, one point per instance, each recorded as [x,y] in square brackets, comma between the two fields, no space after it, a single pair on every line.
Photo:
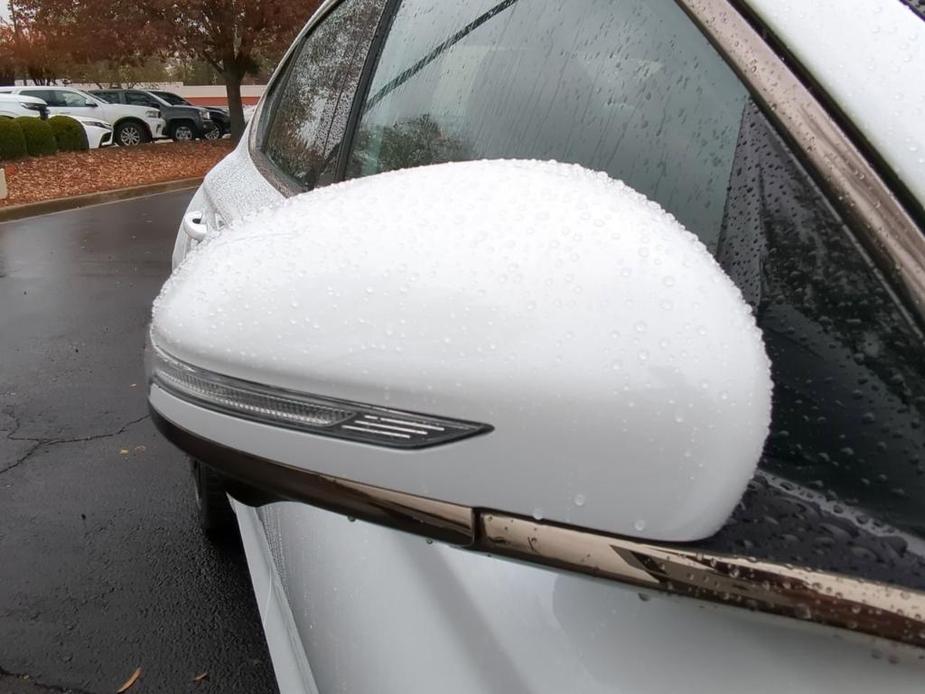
[183,122]
[219,115]
[13,106]
[132,125]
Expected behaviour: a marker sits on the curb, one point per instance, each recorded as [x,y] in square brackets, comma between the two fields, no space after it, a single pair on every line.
[33,209]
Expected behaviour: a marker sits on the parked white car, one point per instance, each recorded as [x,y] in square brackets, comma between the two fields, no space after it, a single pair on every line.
[392,306]
[132,125]
[99,132]
[14,106]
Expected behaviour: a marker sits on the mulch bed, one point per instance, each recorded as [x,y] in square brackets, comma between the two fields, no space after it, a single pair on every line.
[74,173]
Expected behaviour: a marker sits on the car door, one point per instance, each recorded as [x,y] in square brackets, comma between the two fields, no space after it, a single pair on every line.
[636,90]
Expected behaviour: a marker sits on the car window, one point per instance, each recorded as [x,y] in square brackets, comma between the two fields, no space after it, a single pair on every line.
[312,106]
[633,88]
[111,97]
[140,99]
[72,99]
[172,99]
[49,96]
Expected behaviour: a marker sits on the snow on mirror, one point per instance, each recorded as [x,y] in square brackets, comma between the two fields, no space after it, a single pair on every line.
[617,375]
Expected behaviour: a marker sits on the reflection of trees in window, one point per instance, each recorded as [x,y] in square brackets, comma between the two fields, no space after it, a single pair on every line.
[415,142]
[311,113]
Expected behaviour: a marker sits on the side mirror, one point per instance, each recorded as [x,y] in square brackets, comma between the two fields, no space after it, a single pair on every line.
[528,337]
[91,104]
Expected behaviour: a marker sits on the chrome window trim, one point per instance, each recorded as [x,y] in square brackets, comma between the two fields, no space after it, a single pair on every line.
[890,232]
[865,607]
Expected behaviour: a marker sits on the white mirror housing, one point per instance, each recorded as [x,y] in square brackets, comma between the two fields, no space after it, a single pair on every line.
[613,376]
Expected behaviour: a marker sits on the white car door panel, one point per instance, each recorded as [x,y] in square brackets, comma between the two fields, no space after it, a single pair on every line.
[380,611]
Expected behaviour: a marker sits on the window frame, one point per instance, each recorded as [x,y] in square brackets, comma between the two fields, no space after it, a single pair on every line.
[266,109]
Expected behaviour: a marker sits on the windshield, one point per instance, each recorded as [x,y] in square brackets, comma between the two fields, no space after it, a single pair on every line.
[172,99]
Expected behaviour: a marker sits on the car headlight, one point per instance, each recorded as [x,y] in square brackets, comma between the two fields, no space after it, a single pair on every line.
[31,106]
[153,114]
[98,124]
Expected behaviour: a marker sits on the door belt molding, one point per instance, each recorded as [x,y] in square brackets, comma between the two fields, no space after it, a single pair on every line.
[823,598]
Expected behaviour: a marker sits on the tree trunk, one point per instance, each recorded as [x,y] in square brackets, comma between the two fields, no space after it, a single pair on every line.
[233,76]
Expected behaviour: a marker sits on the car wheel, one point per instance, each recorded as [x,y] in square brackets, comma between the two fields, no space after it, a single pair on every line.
[182,132]
[213,134]
[216,517]
[130,134]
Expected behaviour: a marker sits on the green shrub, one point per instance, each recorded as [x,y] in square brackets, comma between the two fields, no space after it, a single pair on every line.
[69,134]
[12,141]
[40,140]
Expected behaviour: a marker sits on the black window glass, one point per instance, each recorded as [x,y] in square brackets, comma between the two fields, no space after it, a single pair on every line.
[629,87]
[633,88]
[49,96]
[140,99]
[172,99]
[842,482]
[310,113]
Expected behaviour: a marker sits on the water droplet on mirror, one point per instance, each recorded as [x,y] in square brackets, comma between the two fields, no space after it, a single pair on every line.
[639,525]
[579,500]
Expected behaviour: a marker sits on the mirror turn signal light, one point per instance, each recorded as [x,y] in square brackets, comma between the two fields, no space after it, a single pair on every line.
[305,412]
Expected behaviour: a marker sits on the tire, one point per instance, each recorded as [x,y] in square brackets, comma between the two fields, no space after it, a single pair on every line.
[182,131]
[131,133]
[216,517]
[214,134]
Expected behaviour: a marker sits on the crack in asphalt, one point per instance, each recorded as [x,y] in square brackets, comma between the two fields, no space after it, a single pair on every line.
[43,443]
[28,679]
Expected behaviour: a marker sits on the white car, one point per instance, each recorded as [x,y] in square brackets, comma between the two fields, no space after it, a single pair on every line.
[509,283]
[99,132]
[132,125]
[14,106]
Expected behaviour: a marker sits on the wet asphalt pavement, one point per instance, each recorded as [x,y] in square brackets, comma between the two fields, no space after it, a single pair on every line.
[102,568]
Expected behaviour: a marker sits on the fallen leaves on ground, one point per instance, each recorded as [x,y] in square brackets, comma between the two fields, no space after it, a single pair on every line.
[75,173]
[130,682]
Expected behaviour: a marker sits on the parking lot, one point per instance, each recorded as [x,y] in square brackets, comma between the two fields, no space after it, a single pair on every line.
[102,568]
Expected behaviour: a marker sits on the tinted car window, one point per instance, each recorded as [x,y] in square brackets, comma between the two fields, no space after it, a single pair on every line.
[141,99]
[632,88]
[172,98]
[310,114]
[49,96]
[842,485]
